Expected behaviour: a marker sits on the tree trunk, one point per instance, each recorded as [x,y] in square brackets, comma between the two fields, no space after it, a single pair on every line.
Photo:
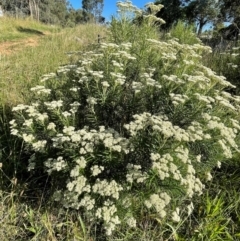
[201,25]
[34,9]
[30,8]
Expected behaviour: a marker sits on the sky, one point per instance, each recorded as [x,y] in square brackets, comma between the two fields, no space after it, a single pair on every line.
[110,6]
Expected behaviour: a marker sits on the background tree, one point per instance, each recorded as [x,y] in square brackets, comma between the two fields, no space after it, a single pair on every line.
[93,8]
[202,12]
[47,11]
[74,16]
[171,13]
[17,8]
[230,9]
[53,11]
[198,12]
[34,9]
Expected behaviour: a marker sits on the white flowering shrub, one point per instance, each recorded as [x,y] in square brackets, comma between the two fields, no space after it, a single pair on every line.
[123,26]
[131,128]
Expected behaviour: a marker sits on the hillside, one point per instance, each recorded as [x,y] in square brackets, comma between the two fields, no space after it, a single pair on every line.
[30,49]
[16,33]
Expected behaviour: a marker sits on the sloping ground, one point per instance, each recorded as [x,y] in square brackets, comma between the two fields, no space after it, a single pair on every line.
[24,60]
[9,47]
[18,33]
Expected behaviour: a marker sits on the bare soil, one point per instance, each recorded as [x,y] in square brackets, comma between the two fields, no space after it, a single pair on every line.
[10,47]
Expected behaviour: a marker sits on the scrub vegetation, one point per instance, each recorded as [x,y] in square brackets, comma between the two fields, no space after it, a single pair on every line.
[131,137]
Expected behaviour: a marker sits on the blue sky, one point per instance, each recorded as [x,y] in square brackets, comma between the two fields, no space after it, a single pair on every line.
[109,6]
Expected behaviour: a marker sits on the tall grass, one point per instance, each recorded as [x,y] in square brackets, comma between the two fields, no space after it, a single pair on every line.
[22,69]
[13,29]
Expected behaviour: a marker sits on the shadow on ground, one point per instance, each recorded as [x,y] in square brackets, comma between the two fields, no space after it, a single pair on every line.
[29,31]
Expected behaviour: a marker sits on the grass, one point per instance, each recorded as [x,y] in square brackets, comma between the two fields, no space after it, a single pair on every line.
[23,68]
[21,221]
[12,30]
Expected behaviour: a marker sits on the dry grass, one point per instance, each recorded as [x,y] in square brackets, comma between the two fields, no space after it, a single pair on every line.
[22,67]
[13,29]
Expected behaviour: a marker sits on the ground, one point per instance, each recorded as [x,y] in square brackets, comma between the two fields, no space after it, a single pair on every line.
[10,47]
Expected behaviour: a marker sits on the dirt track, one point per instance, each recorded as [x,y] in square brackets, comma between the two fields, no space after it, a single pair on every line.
[7,48]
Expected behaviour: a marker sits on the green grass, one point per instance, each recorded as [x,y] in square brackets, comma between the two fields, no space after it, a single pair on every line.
[15,29]
[20,70]
[23,68]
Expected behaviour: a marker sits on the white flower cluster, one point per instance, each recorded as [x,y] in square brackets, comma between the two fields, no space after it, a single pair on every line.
[159,124]
[173,79]
[132,223]
[147,80]
[31,111]
[39,145]
[178,98]
[228,135]
[47,77]
[79,186]
[85,140]
[119,78]
[87,202]
[196,132]
[65,69]
[39,89]
[108,214]
[165,167]
[203,77]
[54,104]
[175,215]
[154,8]
[107,189]
[97,74]
[55,164]
[134,173]
[207,99]
[126,6]
[152,19]
[137,86]
[159,202]
[96,170]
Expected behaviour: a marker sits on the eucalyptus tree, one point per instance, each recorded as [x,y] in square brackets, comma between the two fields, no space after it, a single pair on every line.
[202,12]
[93,8]
[15,7]
[53,11]
[47,11]
[230,9]
[199,12]
[171,12]
[34,9]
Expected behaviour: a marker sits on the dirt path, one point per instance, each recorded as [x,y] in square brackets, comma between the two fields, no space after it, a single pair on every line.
[7,48]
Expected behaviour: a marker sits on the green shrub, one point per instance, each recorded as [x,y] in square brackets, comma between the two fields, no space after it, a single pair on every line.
[185,33]
[132,130]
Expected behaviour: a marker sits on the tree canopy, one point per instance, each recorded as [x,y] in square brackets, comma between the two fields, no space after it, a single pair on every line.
[58,12]
[230,9]
[202,12]
[93,8]
[171,13]
[199,12]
